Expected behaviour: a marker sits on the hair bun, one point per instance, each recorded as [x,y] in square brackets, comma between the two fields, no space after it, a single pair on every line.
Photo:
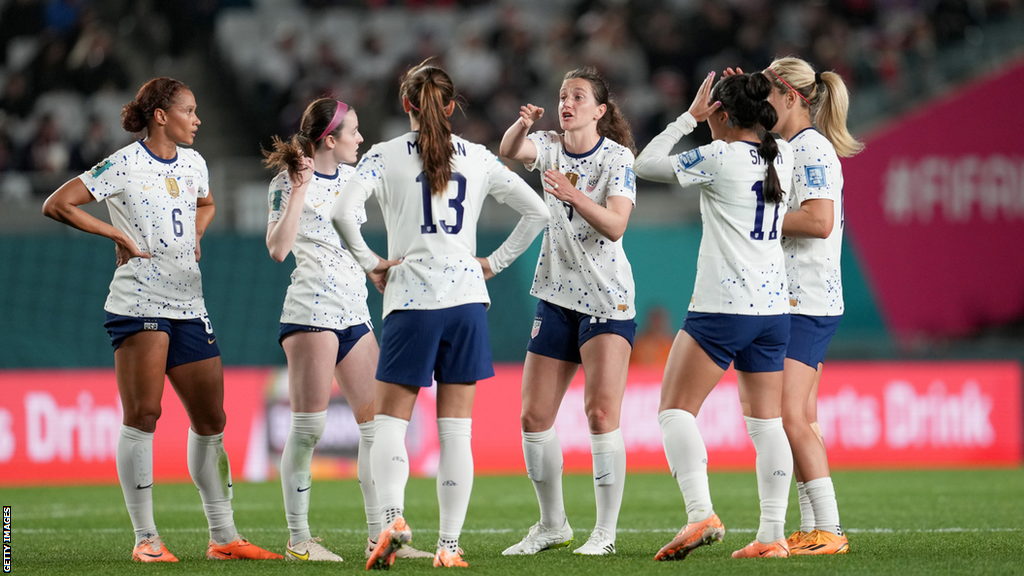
[758,87]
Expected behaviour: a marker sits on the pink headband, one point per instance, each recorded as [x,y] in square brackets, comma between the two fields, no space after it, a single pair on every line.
[790,87]
[339,115]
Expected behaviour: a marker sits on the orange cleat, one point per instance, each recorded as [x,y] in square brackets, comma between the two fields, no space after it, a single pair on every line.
[777,549]
[445,559]
[821,542]
[390,540]
[691,537]
[152,550]
[239,549]
[796,538]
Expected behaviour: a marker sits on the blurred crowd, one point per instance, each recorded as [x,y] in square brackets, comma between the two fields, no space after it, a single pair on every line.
[65,65]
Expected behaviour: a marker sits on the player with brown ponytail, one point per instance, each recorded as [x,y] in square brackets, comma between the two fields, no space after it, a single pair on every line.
[431,186]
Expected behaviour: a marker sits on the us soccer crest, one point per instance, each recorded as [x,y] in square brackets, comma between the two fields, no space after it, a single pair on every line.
[189,187]
[172,187]
[536,328]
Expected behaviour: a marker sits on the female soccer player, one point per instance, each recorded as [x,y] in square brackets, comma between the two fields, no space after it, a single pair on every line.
[585,313]
[812,241]
[160,205]
[325,325]
[739,310]
[431,186]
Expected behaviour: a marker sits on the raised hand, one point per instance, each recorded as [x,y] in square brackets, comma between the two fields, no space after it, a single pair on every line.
[701,109]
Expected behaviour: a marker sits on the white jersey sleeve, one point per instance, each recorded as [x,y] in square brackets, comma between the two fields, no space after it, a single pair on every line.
[740,264]
[153,201]
[578,268]
[813,264]
[508,188]
[328,288]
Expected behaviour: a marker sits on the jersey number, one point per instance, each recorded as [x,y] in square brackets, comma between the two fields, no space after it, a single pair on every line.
[758,232]
[428,226]
[179,229]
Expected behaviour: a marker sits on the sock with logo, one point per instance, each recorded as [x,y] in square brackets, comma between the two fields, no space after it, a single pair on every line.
[296,479]
[454,476]
[822,495]
[806,511]
[210,470]
[365,473]
[389,460]
[543,454]
[135,471]
[688,460]
[774,468]
[609,455]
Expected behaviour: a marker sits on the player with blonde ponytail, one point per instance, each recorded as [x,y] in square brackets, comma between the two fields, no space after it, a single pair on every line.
[812,109]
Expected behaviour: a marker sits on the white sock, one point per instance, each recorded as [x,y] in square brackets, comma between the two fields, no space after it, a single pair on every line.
[210,470]
[454,478]
[609,454]
[365,472]
[135,471]
[296,480]
[688,459]
[389,461]
[806,512]
[543,454]
[822,495]
[774,469]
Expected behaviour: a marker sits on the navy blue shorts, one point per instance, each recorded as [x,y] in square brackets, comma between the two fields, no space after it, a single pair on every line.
[191,340]
[809,337]
[755,343]
[450,344]
[559,332]
[347,338]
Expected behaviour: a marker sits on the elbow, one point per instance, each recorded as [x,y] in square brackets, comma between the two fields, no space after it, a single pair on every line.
[52,209]
[823,229]
[276,252]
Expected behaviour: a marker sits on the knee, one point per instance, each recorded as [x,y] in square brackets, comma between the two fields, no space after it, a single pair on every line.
[212,423]
[794,423]
[142,417]
[531,422]
[599,420]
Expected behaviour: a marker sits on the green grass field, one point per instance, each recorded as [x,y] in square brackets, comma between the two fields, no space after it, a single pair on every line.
[917,522]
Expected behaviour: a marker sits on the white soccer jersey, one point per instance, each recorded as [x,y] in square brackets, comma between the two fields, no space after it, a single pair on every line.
[328,288]
[153,201]
[740,266]
[812,264]
[434,237]
[578,268]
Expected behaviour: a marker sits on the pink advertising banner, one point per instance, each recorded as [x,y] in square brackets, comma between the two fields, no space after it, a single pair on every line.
[935,207]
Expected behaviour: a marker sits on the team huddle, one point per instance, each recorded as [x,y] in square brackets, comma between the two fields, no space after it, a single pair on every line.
[767,299]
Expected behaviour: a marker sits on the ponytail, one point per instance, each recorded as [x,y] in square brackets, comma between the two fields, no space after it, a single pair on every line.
[823,95]
[321,119]
[613,125]
[745,98]
[430,91]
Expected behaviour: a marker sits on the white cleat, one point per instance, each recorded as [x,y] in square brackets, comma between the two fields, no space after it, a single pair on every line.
[540,538]
[310,551]
[600,543]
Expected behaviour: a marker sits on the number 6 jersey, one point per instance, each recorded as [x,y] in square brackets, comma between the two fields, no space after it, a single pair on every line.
[434,236]
[153,201]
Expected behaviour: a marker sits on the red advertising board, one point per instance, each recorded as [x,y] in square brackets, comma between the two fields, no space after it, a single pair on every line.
[61,426]
[934,206]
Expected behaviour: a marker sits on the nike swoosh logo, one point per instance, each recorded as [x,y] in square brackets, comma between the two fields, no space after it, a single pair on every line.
[137,487]
[602,476]
[320,204]
[224,553]
[146,187]
[303,489]
[153,555]
[211,341]
[300,556]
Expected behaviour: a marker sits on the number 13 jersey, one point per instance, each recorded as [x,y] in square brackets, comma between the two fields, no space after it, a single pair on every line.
[740,268]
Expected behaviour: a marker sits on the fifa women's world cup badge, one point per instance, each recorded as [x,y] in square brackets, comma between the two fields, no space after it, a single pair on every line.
[172,187]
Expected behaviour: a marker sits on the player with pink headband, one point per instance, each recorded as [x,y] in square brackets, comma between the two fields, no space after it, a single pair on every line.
[325,324]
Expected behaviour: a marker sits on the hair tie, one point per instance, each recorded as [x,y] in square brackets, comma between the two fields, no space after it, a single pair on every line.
[817,77]
[788,86]
[339,115]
